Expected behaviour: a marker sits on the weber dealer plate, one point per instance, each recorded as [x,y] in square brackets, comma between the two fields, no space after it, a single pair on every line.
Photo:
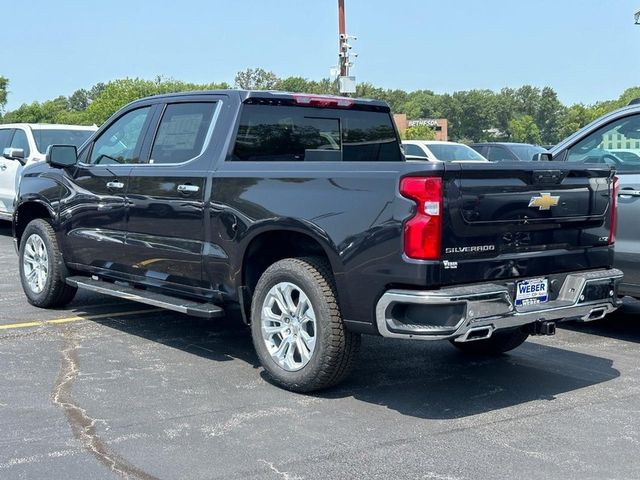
[532,292]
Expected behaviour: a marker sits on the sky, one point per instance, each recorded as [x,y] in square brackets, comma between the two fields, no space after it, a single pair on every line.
[587,50]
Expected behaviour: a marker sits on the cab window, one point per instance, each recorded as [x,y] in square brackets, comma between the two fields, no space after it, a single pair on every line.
[20,141]
[119,144]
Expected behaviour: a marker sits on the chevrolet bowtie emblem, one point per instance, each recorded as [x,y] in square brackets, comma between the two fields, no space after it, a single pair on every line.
[544,202]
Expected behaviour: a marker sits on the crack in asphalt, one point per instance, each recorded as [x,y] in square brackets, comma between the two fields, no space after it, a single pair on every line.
[82,425]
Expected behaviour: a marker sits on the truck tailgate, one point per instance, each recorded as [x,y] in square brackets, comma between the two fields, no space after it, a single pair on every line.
[506,220]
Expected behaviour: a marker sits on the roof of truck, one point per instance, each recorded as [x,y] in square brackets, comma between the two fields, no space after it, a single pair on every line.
[275,95]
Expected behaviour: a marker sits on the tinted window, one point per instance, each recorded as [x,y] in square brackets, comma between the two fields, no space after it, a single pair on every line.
[5,137]
[500,154]
[451,152]
[119,143]
[602,146]
[47,137]
[526,152]
[283,133]
[410,149]
[20,141]
[182,132]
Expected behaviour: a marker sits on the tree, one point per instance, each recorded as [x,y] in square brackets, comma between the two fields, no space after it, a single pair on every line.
[549,116]
[4,83]
[419,132]
[525,130]
[115,94]
[256,79]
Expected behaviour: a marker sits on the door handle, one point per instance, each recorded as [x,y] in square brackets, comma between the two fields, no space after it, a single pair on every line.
[629,193]
[3,167]
[188,188]
[115,185]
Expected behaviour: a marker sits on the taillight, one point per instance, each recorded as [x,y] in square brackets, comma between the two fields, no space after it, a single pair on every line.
[614,208]
[423,231]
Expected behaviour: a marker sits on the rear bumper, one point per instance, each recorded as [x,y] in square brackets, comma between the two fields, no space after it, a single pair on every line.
[455,313]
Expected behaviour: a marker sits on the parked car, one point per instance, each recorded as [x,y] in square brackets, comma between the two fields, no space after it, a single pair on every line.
[25,143]
[314,241]
[614,140]
[508,152]
[438,151]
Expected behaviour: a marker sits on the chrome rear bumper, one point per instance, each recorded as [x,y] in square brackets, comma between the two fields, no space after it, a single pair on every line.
[458,312]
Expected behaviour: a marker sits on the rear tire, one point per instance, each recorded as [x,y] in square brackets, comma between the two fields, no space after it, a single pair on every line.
[297,327]
[500,342]
[42,268]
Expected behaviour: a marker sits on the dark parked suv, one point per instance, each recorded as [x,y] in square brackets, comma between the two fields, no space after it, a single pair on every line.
[301,212]
[508,152]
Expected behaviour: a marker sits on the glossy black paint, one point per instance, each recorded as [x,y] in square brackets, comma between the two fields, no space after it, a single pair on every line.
[197,245]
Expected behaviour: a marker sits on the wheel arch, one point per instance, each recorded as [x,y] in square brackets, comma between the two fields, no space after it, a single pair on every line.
[266,246]
[27,211]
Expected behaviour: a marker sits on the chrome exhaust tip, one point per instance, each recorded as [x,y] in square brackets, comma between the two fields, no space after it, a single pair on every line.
[476,333]
[595,314]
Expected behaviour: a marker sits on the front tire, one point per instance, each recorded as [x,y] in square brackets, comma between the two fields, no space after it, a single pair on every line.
[42,268]
[500,342]
[297,327]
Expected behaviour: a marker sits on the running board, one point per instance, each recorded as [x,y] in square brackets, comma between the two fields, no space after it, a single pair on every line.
[188,307]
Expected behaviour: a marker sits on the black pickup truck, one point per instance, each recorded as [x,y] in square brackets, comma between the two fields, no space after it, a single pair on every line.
[300,213]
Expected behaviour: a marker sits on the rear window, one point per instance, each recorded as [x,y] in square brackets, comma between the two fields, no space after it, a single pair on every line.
[45,137]
[293,134]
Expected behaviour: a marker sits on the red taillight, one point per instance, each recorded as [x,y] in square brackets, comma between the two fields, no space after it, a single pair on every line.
[423,231]
[614,207]
[323,101]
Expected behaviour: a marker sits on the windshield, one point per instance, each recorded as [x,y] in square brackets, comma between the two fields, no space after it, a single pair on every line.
[451,152]
[57,136]
[526,152]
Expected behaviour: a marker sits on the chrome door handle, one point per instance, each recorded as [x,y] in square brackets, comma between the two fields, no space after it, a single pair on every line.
[629,193]
[187,188]
[115,185]
[3,167]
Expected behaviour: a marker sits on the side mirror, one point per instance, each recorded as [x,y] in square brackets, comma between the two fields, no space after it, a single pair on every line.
[14,154]
[542,157]
[62,155]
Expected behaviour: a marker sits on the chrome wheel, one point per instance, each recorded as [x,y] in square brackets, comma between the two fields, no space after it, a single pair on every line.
[288,325]
[35,263]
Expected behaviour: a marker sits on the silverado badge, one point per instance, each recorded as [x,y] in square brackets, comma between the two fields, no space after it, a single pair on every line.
[544,202]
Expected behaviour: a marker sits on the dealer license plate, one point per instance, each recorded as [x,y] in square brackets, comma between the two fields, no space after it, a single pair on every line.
[531,292]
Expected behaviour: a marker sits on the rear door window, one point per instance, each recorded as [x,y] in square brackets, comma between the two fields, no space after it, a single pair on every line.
[500,154]
[414,150]
[294,134]
[182,132]
[5,138]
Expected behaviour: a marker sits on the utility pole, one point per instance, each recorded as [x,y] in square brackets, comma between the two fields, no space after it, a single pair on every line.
[342,30]
[346,83]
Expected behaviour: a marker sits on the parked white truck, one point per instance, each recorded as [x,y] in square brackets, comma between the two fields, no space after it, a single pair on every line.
[25,143]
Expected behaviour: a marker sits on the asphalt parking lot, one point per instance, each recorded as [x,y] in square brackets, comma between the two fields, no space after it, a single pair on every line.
[109,389]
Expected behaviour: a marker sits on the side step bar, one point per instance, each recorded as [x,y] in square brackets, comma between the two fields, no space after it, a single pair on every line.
[196,309]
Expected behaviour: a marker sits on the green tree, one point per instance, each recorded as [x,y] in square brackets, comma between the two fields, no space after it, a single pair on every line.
[4,83]
[256,79]
[117,93]
[419,132]
[524,129]
[549,116]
